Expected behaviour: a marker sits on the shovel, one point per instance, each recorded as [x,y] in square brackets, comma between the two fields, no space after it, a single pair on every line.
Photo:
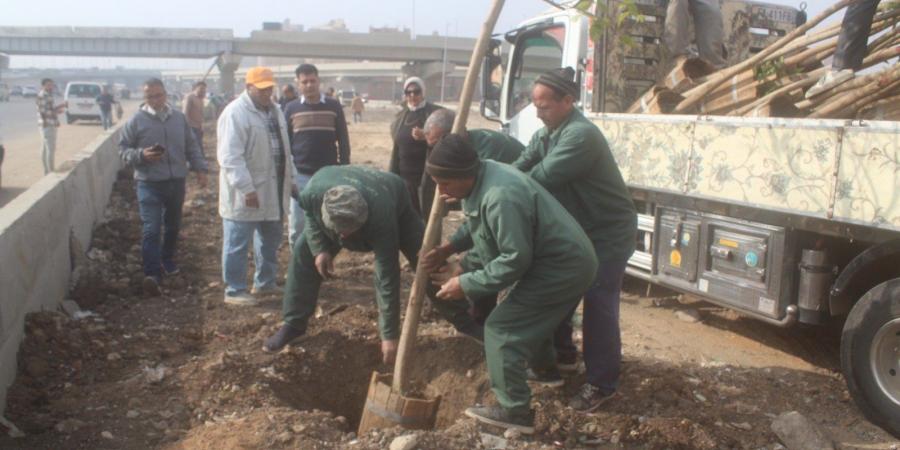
[389,402]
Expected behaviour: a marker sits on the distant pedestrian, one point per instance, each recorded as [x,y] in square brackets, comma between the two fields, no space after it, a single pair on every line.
[193,110]
[48,121]
[2,155]
[330,92]
[851,46]
[357,106]
[318,137]
[709,30]
[157,142]
[106,101]
[410,147]
[254,185]
[288,94]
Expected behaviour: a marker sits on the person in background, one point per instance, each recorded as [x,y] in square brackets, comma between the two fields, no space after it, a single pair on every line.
[193,110]
[2,155]
[708,29]
[851,46]
[48,121]
[288,94]
[410,148]
[254,185]
[106,101]
[157,143]
[330,92]
[318,135]
[357,106]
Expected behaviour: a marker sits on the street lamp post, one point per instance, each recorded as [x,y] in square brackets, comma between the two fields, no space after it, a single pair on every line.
[444,64]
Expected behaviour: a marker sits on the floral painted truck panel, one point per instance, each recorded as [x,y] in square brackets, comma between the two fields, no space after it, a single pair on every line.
[828,169]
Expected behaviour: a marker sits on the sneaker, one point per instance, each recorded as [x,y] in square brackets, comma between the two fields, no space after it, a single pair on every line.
[170,268]
[271,289]
[241,299]
[567,362]
[829,81]
[151,286]
[502,417]
[283,337]
[589,398]
[547,378]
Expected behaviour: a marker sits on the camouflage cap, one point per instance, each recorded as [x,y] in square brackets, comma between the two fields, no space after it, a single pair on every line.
[344,210]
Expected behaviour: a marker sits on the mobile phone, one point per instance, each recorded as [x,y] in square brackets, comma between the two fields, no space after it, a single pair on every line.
[159,148]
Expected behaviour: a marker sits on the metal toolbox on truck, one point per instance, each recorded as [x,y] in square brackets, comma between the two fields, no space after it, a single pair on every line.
[679,244]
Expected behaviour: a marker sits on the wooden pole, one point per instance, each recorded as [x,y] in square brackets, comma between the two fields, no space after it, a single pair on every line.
[694,96]
[433,229]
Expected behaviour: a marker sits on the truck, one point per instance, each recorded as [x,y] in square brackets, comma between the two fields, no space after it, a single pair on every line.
[788,221]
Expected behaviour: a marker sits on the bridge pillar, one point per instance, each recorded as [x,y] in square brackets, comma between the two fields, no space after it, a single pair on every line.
[228,64]
[430,72]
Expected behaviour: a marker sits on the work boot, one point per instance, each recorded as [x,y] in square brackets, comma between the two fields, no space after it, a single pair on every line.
[271,289]
[151,286]
[283,337]
[829,81]
[547,377]
[499,416]
[589,398]
[241,299]
[566,362]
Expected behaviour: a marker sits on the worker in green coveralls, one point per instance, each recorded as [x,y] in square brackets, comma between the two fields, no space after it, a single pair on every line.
[365,210]
[531,247]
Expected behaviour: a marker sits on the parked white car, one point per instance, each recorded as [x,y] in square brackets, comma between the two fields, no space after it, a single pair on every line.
[82,99]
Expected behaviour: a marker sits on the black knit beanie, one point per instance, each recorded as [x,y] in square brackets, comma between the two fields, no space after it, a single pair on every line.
[562,81]
[453,157]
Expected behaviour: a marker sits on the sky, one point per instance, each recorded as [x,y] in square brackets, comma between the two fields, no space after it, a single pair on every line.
[459,17]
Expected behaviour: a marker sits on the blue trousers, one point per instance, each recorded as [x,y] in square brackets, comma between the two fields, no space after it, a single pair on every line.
[106,119]
[600,327]
[236,236]
[160,205]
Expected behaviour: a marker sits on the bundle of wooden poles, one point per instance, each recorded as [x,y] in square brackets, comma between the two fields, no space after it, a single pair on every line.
[773,83]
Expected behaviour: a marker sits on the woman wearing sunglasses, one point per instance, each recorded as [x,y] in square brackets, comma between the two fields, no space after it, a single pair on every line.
[410,147]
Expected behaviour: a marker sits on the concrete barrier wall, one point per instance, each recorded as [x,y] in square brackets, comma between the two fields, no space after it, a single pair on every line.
[35,232]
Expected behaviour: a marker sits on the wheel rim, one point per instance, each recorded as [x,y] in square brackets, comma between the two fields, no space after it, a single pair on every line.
[885,359]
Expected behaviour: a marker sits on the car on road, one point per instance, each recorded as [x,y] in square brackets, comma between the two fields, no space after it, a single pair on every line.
[82,99]
[4,92]
[16,90]
[29,91]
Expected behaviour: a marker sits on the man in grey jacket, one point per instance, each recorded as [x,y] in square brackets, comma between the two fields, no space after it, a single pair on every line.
[254,187]
[157,142]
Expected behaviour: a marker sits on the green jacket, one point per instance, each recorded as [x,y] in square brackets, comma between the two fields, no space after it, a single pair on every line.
[494,145]
[574,163]
[522,235]
[391,221]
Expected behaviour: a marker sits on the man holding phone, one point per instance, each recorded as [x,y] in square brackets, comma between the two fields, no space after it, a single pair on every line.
[158,143]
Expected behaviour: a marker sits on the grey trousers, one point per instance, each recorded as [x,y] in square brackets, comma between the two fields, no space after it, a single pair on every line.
[708,27]
[48,147]
[851,46]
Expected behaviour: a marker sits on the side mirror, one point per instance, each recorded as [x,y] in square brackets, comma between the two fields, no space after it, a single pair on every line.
[491,81]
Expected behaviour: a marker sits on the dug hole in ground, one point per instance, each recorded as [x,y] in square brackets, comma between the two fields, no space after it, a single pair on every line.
[185,371]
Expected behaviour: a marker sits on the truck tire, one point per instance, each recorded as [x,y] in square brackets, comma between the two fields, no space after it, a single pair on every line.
[870,348]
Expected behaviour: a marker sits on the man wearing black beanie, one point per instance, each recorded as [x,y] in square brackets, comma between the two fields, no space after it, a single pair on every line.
[527,243]
[571,159]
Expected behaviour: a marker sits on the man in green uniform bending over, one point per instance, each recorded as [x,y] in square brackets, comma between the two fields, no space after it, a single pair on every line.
[530,245]
[365,210]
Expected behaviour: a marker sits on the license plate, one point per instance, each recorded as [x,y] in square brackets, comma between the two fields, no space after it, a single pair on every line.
[774,13]
[85,105]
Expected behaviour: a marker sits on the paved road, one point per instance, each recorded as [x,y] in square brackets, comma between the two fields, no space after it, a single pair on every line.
[18,127]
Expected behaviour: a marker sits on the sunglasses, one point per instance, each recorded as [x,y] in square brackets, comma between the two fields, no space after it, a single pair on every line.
[413,92]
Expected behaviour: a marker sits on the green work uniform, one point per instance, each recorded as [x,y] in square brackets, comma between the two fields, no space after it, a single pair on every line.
[529,243]
[574,163]
[489,145]
[392,227]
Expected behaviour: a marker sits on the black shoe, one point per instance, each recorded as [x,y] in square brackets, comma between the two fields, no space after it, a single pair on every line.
[283,337]
[589,398]
[501,417]
[170,268]
[151,286]
[547,378]
[566,362]
[473,331]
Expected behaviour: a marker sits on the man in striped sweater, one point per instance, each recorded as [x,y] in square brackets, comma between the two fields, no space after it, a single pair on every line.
[318,135]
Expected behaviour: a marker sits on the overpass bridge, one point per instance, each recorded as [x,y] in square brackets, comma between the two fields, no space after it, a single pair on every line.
[422,54]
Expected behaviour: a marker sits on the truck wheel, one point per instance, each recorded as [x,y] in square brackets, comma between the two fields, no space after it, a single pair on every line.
[870,355]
